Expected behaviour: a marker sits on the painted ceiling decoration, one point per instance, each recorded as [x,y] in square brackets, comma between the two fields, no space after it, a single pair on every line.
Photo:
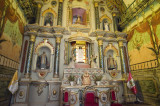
[28,6]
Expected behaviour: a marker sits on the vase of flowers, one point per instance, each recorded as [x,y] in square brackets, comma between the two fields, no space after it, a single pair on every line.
[71,79]
[97,79]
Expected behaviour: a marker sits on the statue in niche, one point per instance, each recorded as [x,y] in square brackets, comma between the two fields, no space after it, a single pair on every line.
[78,21]
[42,62]
[106,25]
[49,20]
[86,79]
[74,52]
[72,63]
[93,61]
[79,16]
[111,63]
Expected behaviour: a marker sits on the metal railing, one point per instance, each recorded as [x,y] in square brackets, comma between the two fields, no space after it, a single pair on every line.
[7,62]
[133,10]
[144,65]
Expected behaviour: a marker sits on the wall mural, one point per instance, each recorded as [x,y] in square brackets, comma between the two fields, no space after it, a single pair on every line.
[138,47]
[11,34]
[148,86]
[140,40]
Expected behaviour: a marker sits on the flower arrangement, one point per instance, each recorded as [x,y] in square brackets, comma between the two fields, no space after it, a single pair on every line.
[97,77]
[71,77]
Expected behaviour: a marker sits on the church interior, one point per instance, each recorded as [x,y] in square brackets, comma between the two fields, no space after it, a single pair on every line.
[80,52]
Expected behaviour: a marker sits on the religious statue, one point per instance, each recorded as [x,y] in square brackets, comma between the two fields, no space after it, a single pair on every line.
[42,62]
[93,61]
[106,26]
[111,63]
[86,79]
[72,63]
[78,21]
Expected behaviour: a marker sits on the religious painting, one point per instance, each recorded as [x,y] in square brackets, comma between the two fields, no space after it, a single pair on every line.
[43,58]
[48,20]
[79,16]
[148,86]
[80,54]
[103,97]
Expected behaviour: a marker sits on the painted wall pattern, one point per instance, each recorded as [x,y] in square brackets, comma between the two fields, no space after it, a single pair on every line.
[11,37]
[11,33]
[140,39]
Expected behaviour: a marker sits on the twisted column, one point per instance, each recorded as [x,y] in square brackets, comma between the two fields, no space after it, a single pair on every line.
[97,15]
[100,50]
[29,56]
[60,9]
[57,57]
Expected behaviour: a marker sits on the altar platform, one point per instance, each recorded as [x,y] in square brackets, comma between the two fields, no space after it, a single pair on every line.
[83,95]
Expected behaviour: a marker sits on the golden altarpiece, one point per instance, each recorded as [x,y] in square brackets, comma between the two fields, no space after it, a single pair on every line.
[72,39]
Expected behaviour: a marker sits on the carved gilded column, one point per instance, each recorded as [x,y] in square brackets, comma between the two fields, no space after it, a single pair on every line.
[97,15]
[29,56]
[100,50]
[122,57]
[60,9]
[3,14]
[39,6]
[115,22]
[123,68]
[57,57]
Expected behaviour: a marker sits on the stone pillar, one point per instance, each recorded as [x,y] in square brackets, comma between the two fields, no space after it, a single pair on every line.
[60,9]
[97,15]
[29,56]
[100,50]
[39,6]
[57,57]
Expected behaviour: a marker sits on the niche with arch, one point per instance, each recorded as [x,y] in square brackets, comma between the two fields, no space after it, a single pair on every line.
[105,23]
[111,57]
[43,58]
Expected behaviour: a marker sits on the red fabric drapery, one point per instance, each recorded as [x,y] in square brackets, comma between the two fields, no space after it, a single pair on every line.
[141,28]
[66,97]
[113,95]
[156,21]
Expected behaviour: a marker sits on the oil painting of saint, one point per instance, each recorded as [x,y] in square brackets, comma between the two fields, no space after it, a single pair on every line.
[48,21]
